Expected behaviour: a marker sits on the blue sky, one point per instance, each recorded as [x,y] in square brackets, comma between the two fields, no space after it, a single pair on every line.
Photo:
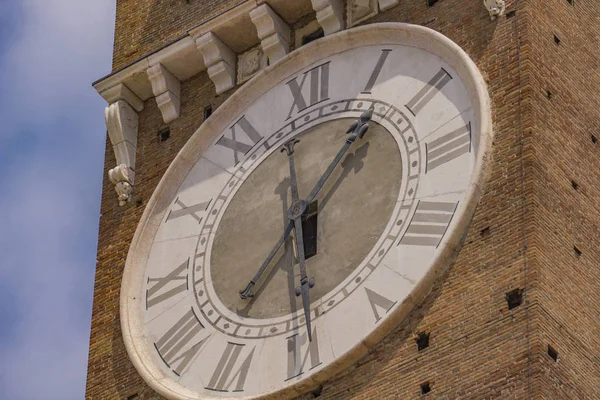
[52,138]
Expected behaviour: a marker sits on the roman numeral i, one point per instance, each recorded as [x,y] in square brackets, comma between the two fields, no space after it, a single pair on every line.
[424,96]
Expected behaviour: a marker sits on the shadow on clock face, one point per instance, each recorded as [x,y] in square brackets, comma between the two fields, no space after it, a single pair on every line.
[353,209]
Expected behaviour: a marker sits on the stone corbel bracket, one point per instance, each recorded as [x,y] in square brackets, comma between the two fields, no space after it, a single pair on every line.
[330,15]
[273,32]
[496,8]
[167,90]
[220,61]
[122,125]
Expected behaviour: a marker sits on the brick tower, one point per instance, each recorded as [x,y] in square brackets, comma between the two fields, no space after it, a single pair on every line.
[516,316]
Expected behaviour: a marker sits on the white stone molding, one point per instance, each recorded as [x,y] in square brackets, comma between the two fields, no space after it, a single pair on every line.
[122,125]
[360,10]
[273,32]
[122,92]
[496,8]
[220,61]
[330,14]
[387,4]
[167,90]
[250,63]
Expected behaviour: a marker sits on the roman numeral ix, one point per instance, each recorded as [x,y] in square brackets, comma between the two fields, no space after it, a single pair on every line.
[448,147]
[318,88]
[185,210]
[177,347]
[425,95]
[156,294]
[429,224]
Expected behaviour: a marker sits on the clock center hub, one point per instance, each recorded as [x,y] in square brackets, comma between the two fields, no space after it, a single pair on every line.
[297,209]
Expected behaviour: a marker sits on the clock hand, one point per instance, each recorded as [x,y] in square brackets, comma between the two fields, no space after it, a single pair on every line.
[245,293]
[356,130]
[295,212]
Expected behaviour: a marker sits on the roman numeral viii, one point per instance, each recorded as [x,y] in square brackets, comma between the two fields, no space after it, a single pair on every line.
[424,96]
[224,375]
[242,126]
[165,288]
[318,88]
[181,343]
[429,224]
[448,147]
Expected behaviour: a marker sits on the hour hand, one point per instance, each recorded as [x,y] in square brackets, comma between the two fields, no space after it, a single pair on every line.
[247,291]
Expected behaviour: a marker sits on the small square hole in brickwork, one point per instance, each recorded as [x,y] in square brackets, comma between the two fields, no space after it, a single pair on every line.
[164,134]
[514,298]
[317,392]
[556,39]
[594,139]
[132,397]
[511,14]
[430,3]
[575,185]
[577,251]
[422,340]
[207,112]
[571,2]
[548,94]
[552,353]
[485,232]
[313,36]
[425,388]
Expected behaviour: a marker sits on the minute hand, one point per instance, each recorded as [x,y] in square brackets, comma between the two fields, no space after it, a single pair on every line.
[356,130]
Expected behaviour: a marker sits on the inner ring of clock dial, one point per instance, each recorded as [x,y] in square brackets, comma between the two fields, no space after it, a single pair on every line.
[346,220]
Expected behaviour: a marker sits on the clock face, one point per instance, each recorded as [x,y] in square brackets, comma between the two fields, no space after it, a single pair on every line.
[384,223]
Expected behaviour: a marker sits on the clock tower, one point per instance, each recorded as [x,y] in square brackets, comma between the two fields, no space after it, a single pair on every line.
[349,199]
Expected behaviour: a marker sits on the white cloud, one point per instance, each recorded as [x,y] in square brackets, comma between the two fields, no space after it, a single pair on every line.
[51,160]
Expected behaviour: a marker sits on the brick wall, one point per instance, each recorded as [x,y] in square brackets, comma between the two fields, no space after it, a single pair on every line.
[479,349]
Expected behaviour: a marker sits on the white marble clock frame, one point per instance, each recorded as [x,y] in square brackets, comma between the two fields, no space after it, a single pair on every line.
[376,34]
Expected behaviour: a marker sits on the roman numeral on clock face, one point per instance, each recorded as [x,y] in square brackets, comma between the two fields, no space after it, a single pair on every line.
[425,95]
[318,85]
[429,223]
[184,210]
[297,358]
[241,127]
[181,343]
[229,371]
[448,147]
[376,71]
[176,281]
[379,304]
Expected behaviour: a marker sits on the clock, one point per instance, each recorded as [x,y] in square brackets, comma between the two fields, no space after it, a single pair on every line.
[305,219]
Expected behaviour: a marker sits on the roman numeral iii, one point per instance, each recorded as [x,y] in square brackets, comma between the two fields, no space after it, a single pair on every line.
[448,147]
[424,96]
[180,344]
[429,224]
[176,281]
[318,88]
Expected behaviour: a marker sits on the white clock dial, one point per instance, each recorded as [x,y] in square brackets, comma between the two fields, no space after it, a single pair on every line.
[385,222]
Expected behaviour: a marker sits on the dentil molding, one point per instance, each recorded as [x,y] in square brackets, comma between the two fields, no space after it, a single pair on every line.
[496,8]
[122,124]
[167,90]
[273,32]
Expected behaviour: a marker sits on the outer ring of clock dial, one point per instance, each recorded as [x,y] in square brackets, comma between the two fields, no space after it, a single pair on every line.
[406,137]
